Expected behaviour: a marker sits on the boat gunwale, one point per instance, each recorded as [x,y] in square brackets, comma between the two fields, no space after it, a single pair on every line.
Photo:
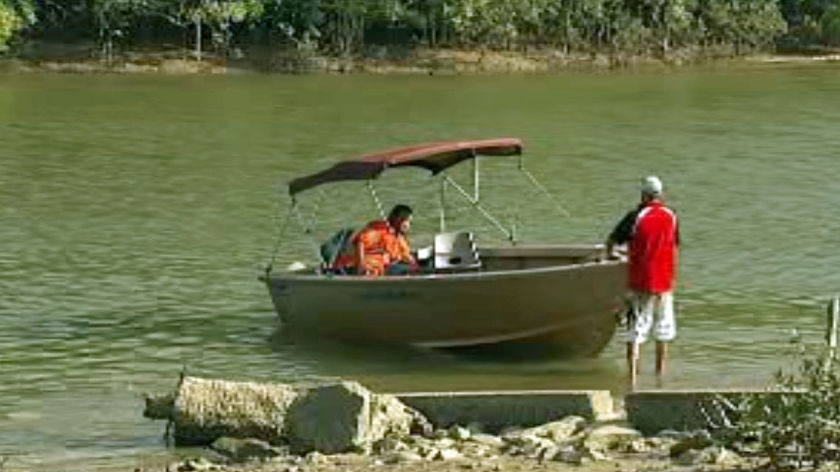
[475,275]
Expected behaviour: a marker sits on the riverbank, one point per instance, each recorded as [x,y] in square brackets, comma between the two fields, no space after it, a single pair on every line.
[625,462]
[416,62]
[249,426]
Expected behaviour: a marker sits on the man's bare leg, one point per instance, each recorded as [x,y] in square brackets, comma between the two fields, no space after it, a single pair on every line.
[633,362]
[661,356]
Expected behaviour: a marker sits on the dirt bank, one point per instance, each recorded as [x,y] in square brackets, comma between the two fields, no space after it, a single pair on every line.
[420,61]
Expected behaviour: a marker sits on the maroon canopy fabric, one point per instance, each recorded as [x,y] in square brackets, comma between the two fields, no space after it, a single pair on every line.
[435,157]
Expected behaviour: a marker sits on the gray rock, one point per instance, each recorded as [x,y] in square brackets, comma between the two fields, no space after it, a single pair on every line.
[447,454]
[330,419]
[596,455]
[514,451]
[636,446]
[660,443]
[672,434]
[401,457]
[206,409]
[609,438]
[420,425]
[475,450]
[475,428]
[444,443]
[459,433]
[713,455]
[519,438]
[526,443]
[427,452]
[720,456]
[689,457]
[343,417]
[389,445]
[613,431]
[699,439]
[487,440]
[314,458]
[569,455]
[547,453]
[244,450]
[559,431]
[390,417]
[510,431]
[199,464]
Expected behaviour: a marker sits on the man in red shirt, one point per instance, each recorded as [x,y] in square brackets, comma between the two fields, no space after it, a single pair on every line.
[652,236]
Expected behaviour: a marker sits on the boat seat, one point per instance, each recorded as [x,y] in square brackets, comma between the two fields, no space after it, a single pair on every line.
[456,250]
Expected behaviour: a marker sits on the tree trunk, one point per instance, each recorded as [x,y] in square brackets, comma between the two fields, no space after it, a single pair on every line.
[433,38]
[198,39]
[567,31]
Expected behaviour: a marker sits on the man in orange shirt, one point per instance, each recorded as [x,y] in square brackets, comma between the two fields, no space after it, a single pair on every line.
[382,247]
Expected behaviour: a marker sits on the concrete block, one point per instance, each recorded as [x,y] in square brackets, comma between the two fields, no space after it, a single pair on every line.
[500,409]
[680,410]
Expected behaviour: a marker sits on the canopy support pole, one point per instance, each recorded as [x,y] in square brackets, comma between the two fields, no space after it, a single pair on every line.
[376,200]
[536,183]
[442,205]
[476,195]
[278,236]
[508,233]
[306,230]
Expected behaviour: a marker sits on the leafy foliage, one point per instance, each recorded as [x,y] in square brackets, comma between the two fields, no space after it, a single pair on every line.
[797,423]
[15,15]
[346,27]
[830,25]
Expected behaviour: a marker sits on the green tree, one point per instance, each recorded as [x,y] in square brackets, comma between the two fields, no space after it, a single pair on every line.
[343,30]
[113,19]
[485,22]
[297,21]
[15,15]
[830,25]
[219,16]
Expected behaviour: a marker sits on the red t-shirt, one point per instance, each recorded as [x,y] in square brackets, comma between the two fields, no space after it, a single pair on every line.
[653,239]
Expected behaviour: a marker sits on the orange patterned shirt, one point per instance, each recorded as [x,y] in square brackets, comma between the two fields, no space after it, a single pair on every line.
[382,247]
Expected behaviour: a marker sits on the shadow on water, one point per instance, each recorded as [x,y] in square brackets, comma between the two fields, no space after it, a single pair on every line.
[405,368]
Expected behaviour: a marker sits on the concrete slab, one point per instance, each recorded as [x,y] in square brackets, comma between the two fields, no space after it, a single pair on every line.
[496,410]
[682,410]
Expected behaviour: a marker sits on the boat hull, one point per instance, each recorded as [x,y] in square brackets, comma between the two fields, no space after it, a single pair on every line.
[571,307]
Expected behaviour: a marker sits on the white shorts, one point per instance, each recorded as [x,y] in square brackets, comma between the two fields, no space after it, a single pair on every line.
[649,310]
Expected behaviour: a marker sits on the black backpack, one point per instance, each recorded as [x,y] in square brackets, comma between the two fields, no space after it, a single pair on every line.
[335,245]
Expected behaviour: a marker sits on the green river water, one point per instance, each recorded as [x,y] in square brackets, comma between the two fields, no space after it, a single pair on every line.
[135,213]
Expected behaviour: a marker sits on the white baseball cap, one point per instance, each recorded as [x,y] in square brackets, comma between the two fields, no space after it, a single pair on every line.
[651,185]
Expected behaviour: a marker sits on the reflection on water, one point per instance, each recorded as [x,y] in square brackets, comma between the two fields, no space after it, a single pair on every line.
[134,212]
[422,369]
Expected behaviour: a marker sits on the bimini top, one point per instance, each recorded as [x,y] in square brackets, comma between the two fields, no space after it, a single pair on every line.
[435,157]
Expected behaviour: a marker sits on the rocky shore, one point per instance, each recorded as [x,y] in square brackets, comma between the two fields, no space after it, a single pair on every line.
[567,444]
[248,426]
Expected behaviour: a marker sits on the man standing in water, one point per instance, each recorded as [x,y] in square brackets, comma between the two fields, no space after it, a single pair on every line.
[652,236]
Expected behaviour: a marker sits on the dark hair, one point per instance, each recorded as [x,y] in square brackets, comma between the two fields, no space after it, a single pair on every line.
[399,212]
